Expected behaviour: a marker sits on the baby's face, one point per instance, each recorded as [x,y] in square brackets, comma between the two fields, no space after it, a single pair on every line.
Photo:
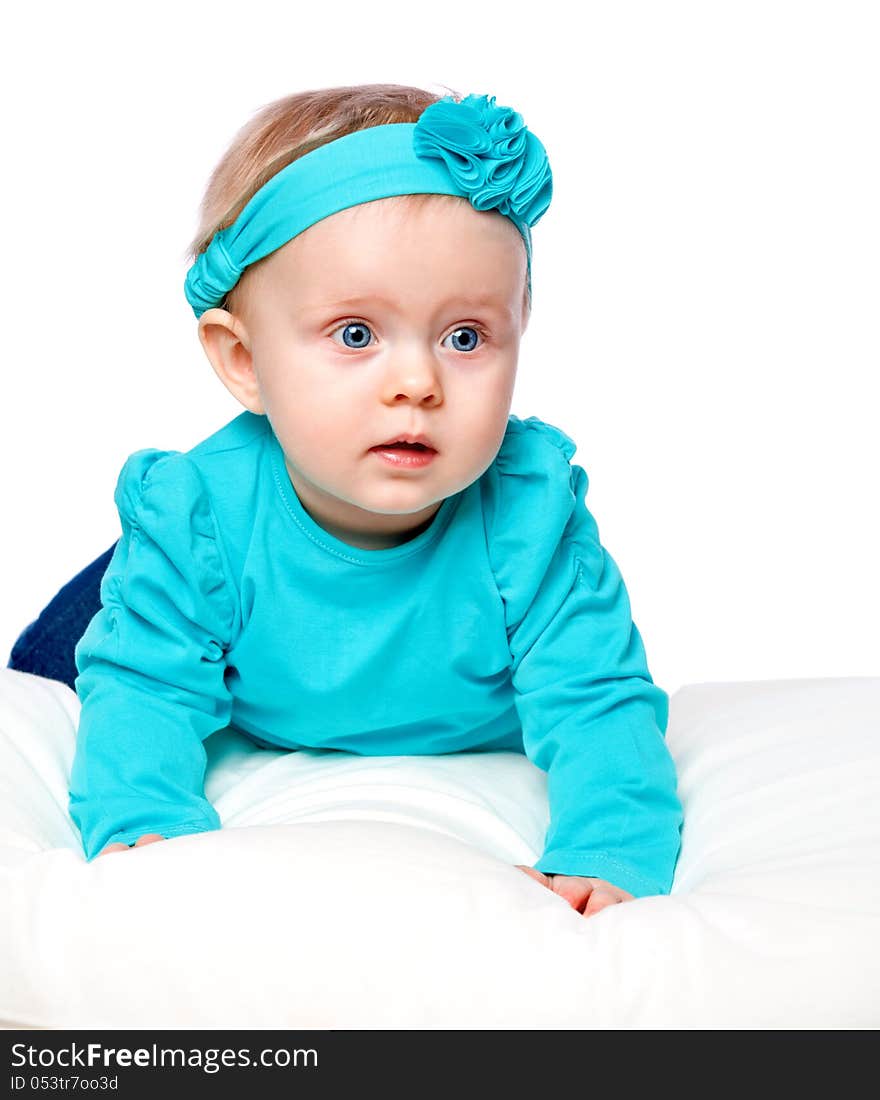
[380,321]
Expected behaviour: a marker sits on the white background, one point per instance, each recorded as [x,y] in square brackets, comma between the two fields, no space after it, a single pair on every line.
[705,320]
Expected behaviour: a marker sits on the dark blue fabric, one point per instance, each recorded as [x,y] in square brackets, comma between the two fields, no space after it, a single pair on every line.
[46,646]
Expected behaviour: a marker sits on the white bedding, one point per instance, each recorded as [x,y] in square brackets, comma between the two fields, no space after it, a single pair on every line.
[358,892]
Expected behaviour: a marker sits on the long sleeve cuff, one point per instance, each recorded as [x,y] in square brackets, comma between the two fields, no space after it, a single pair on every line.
[592,864]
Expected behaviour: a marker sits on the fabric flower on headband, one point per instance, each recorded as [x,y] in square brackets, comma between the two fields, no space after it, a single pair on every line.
[489,153]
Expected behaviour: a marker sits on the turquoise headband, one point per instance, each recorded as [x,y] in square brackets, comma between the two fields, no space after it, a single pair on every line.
[472,148]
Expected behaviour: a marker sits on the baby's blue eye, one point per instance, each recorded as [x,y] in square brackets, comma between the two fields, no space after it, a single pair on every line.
[360,337]
[470,342]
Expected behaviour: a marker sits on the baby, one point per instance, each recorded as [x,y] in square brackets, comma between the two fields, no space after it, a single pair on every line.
[375,556]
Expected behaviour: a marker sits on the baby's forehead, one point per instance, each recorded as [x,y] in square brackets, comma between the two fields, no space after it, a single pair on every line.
[397,241]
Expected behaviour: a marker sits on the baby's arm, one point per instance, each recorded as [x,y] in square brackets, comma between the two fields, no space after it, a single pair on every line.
[151,664]
[590,713]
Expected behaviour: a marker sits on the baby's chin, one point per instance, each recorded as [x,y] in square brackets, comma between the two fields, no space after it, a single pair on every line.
[403,503]
[367,490]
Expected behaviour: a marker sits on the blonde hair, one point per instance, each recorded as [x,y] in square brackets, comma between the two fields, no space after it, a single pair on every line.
[288,128]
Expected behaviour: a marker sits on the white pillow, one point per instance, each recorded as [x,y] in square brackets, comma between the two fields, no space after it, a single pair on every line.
[358,892]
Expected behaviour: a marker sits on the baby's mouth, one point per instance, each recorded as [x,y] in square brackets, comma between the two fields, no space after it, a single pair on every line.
[401,447]
[407,443]
[406,453]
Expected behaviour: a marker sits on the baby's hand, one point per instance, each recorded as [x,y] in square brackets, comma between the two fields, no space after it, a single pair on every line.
[149,838]
[587,895]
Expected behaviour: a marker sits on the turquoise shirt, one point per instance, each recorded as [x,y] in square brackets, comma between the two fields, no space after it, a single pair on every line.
[504,625]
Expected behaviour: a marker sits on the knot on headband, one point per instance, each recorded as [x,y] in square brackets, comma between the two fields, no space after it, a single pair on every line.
[214,275]
[473,149]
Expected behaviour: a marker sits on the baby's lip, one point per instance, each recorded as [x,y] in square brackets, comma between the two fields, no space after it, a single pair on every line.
[406,438]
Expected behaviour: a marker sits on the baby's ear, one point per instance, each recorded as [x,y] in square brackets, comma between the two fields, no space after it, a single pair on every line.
[227,346]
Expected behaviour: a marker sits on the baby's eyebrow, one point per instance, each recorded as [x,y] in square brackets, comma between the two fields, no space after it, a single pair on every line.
[484,301]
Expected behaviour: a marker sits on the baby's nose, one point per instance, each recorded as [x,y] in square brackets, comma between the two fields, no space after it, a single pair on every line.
[413,377]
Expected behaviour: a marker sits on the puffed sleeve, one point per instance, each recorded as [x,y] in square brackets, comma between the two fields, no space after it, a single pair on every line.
[591,715]
[151,663]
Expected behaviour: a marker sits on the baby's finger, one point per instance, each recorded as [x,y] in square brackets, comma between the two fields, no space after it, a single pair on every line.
[600,899]
[575,889]
[148,838]
[117,847]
